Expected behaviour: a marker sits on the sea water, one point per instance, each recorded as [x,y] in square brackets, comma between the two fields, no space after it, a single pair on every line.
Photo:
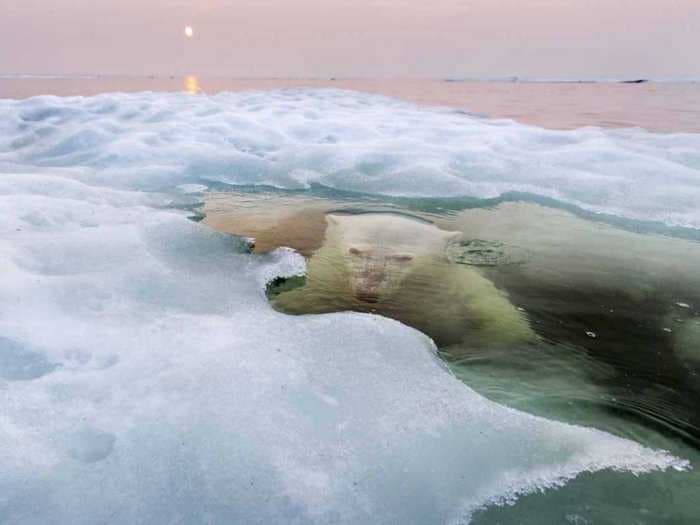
[583,324]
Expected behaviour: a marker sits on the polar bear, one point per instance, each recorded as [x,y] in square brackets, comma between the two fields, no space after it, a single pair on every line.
[398,266]
[380,250]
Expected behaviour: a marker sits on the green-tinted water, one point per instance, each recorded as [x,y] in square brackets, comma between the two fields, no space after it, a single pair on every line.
[532,306]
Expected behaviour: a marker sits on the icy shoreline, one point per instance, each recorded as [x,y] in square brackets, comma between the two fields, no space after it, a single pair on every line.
[172,391]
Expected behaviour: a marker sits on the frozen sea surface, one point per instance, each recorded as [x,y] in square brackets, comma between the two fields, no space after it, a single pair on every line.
[144,377]
[351,141]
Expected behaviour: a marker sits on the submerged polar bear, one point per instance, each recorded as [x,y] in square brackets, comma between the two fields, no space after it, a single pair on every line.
[396,265]
[381,250]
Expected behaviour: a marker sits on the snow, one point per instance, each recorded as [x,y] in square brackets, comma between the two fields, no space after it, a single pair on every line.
[350,141]
[144,378]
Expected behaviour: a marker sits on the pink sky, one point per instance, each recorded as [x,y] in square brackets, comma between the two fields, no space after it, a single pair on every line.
[354,38]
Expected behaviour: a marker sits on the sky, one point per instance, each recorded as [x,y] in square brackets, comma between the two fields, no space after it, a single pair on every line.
[563,39]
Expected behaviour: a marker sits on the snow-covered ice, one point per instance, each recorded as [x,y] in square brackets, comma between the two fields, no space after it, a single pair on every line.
[144,378]
[351,141]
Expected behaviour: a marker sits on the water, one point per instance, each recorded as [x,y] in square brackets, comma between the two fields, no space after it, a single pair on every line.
[665,107]
[531,306]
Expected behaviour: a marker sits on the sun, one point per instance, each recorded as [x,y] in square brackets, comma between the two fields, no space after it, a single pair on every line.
[189,32]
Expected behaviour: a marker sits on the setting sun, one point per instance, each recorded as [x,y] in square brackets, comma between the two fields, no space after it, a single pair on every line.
[189,32]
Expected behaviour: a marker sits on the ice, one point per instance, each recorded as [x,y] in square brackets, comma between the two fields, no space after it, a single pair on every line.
[89,445]
[144,378]
[161,387]
[19,364]
[192,188]
[351,141]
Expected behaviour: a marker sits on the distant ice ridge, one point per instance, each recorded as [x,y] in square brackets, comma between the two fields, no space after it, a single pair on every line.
[144,378]
[351,141]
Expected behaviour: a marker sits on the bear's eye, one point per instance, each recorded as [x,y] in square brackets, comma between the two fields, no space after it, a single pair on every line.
[401,258]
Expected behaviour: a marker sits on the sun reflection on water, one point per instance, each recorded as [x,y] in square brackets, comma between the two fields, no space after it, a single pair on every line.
[192,85]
